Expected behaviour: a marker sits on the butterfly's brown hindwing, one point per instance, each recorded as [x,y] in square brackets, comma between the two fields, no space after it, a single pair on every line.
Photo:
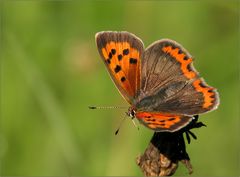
[170,84]
[122,52]
[161,122]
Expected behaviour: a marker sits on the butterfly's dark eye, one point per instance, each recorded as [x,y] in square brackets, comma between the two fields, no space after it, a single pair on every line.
[132,113]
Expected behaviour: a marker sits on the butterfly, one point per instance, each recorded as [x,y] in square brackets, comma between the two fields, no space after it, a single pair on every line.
[160,83]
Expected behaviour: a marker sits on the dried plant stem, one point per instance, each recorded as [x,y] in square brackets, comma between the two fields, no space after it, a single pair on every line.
[163,154]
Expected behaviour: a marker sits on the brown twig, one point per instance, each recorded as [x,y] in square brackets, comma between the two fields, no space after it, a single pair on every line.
[165,150]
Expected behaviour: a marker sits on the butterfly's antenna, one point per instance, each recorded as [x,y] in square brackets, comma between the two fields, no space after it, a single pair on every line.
[107,107]
[124,118]
[134,123]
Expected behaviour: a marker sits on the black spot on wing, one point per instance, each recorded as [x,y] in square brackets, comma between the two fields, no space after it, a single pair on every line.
[125,51]
[108,61]
[180,51]
[201,84]
[117,69]
[133,61]
[110,55]
[171,119]
[113,51]
[120,57]
[123,79]
[186,57]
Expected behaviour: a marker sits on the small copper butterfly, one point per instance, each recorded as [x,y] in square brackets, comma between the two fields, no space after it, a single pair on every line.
[160,83]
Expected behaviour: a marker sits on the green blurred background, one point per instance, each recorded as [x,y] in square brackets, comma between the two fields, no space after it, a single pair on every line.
[51,72]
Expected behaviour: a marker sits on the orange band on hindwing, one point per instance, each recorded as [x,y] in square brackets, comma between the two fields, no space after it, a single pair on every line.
[182,59]
[163,122]
[208,93]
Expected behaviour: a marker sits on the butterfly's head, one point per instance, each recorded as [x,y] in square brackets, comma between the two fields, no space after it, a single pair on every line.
[131,112]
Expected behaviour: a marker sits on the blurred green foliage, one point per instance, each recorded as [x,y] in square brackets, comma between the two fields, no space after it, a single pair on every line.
[51,72]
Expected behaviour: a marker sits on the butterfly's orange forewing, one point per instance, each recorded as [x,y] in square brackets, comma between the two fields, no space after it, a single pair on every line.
[121,53]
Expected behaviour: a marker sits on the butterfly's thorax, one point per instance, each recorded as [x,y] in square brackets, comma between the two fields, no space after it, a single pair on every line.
[144,103]
[131,112]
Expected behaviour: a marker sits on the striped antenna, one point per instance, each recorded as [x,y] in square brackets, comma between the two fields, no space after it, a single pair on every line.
[107,107]
[135,125]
